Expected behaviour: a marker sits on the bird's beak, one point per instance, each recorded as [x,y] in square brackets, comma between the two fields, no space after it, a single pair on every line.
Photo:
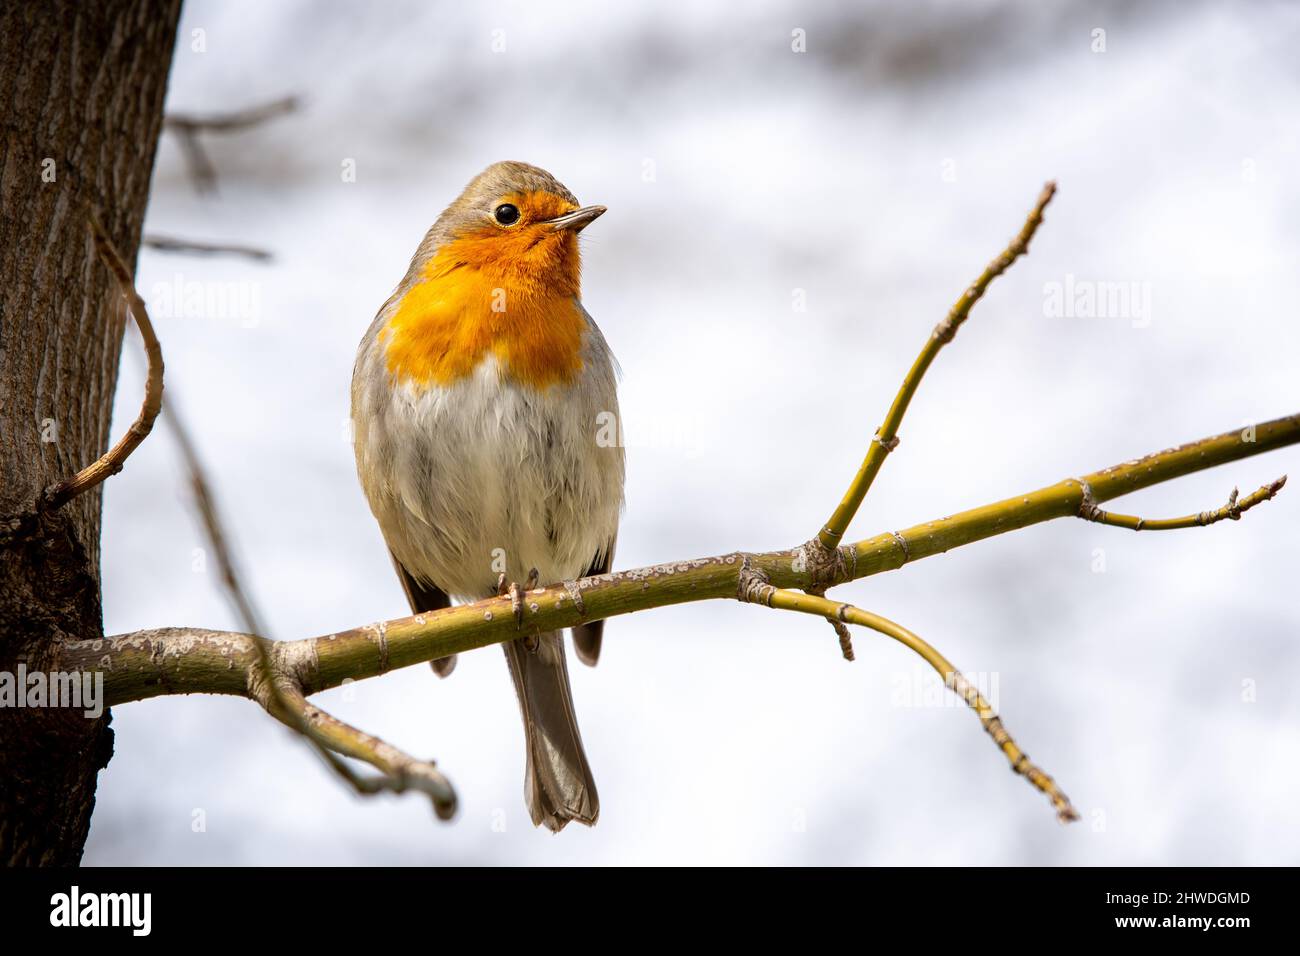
[577,220]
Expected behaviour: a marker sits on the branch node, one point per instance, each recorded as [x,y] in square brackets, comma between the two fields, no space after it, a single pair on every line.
[824,566]
[381,632]
[753,585]
[575,595]
[1088,507]
[946,330]
[827,567]
[1234,512]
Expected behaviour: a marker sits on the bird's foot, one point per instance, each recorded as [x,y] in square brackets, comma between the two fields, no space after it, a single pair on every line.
[517,601]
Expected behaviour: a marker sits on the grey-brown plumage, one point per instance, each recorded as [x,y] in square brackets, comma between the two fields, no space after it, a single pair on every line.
[558,785]
[587,637]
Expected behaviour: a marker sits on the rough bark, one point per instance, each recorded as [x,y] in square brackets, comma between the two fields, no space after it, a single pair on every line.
[83,87]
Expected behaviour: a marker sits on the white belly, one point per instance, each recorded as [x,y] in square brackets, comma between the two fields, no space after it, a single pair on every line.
[487,477]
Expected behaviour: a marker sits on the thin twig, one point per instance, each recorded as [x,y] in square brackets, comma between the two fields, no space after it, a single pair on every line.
[233,120]
[400,771]
[205,504]
[113,460]
[198,248]
[786,600]
[202,173]
[1089,510]
[188,126]
[886,438]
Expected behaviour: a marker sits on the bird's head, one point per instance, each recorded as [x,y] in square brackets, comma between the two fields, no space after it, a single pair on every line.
[516,221]
[498,273]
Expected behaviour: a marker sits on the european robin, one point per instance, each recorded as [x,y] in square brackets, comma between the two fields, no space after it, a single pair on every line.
[480,401]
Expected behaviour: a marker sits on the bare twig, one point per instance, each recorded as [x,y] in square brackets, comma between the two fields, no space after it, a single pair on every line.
[188,126]
[111,462]
[202,173]
[205,504]
[199,248]
[401,772]
[233,120]
[759,592]
[1234,509]
[886,437]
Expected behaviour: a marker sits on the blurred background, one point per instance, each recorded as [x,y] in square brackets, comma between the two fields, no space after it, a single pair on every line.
[797,193]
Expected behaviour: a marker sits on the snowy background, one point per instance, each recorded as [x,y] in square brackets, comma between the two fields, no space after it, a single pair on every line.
[878,172]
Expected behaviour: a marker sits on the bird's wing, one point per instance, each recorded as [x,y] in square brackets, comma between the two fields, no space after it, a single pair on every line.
[426,598]
[586,637]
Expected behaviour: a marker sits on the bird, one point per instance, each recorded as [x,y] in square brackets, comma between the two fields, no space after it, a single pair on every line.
[482,400]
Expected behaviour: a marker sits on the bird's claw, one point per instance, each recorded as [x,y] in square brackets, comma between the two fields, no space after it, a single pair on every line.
[517,604]
[516,598]
[517,601]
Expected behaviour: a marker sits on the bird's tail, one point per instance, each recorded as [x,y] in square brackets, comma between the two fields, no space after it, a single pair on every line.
[558,785]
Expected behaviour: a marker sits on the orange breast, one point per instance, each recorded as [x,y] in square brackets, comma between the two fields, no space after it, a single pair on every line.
[480,295]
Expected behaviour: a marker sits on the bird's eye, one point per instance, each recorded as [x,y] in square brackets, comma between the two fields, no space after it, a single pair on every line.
[506,214]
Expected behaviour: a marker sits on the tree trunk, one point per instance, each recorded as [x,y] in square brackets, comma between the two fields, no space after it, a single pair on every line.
[83,87]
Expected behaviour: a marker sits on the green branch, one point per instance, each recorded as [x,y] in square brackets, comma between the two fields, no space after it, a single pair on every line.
[185,660]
